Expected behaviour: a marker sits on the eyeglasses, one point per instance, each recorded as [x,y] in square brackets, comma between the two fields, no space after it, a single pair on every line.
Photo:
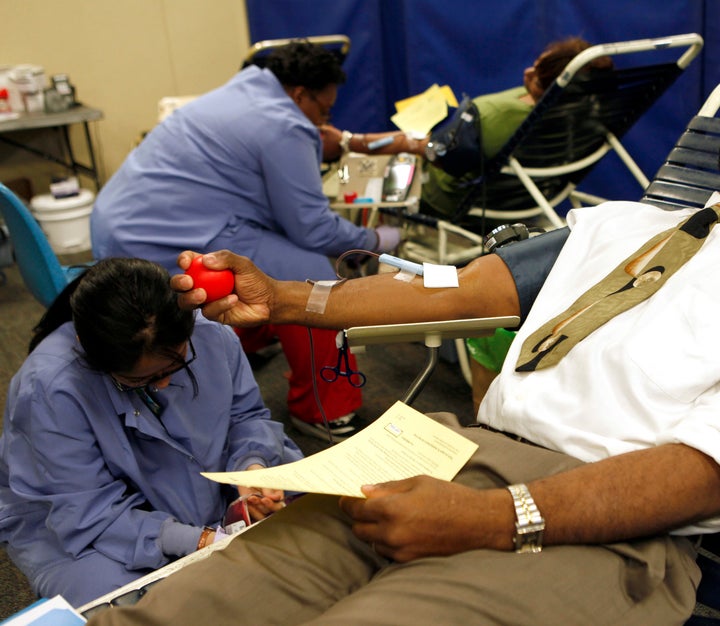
[126,599]
[324,106]
[145,382]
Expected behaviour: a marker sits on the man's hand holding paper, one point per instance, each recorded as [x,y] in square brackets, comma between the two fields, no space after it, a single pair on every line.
[423,516]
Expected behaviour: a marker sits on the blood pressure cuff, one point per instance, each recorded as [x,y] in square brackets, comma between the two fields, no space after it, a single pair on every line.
[530,262]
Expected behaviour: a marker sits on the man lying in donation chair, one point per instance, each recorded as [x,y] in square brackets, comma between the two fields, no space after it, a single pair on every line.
[598,446]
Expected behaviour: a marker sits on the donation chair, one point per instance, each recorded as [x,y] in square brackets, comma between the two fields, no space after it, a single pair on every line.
[691,171]
[690,174]
[43,274]
[579,119]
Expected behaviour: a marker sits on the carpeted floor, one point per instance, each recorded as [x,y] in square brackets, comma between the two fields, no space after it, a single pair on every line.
[389,369]
[18,312]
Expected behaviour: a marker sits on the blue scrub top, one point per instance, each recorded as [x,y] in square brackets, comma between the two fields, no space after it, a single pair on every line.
[84,466]
[236,168]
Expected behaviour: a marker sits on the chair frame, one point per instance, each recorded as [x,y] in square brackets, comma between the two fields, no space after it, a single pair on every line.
[432,334]
[340,43]
[692,43]
[691,171]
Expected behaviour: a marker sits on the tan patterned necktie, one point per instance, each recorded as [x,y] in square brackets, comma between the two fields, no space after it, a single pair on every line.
[635,279]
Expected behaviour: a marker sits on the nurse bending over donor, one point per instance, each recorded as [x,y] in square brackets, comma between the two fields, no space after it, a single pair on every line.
[123,400]
[239,168]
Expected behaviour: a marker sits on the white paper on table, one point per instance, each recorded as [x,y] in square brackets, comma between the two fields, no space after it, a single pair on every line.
[401,443]
[373,189]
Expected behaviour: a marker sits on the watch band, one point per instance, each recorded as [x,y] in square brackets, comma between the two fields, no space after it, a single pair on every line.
[530,524]
[345,138]
[433,150]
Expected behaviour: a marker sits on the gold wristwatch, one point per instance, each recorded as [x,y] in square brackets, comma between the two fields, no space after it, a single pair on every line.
[530,524]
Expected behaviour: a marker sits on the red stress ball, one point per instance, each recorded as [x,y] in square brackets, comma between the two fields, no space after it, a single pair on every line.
[216,283]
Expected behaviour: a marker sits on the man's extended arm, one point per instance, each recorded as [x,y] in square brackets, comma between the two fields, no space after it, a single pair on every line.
[486,289]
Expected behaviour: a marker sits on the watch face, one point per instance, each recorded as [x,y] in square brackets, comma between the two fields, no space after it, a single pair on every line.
[430,151]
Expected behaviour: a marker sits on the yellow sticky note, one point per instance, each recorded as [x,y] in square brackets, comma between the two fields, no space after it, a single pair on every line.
[449,96]
[446,91]
[424,112]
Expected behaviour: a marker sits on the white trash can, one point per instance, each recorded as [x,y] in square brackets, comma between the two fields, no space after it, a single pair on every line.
[65,221]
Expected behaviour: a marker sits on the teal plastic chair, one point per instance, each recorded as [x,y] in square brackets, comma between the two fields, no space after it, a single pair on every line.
[41,270]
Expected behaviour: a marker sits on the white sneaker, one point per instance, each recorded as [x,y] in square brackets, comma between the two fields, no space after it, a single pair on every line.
[340,428]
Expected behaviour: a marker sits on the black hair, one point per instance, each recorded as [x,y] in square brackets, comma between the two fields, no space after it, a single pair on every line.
[122,309]
[304,64]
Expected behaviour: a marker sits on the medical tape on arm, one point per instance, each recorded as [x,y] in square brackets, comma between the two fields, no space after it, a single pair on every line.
[407,269]
[433,275]
[319,294]
[405,275]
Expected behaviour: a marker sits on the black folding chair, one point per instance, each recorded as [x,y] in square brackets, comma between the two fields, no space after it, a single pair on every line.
[579,119]
[691,171]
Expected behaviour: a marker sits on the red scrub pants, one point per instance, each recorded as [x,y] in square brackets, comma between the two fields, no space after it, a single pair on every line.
[338,398]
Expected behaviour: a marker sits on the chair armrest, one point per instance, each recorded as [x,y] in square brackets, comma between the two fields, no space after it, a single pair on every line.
[431,333]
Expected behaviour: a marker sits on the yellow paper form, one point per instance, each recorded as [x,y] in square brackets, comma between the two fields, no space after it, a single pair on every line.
[423,112]
[446,91]
[401,443]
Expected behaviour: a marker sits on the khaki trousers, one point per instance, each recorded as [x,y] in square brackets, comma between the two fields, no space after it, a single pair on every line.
[304,566]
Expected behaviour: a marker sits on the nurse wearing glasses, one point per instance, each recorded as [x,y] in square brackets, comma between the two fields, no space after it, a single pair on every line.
[122,402]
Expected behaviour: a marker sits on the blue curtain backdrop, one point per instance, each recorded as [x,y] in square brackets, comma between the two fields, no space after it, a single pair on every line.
[401,47]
